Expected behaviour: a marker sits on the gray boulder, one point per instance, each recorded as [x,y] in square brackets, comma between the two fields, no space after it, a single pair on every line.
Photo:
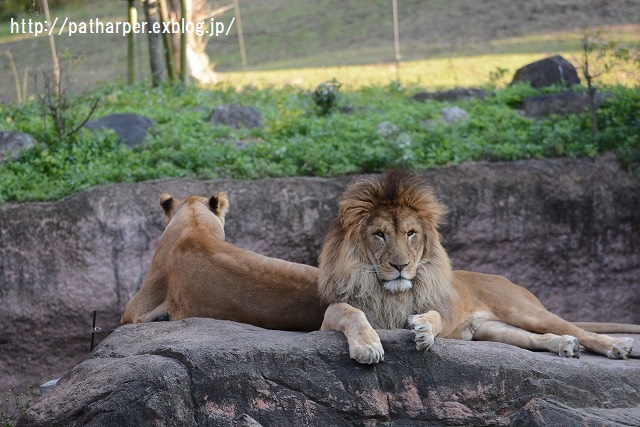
[236,116]
[387,129]
[550,71]
[453,115]
[130,128]
[563,103]
[204,372]
[452,95]
[13,143]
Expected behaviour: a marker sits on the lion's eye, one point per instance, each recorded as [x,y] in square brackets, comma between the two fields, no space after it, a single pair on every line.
[411,233]
[379,235]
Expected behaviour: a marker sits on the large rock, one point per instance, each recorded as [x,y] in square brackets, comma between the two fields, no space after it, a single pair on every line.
[452,115]
[236,116]
[203,372]
[131,129]
[452,95]
[569,230]
[13,143]
[562,103]
[554,70]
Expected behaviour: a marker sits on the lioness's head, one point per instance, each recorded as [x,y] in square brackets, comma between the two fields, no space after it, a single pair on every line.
[218,204]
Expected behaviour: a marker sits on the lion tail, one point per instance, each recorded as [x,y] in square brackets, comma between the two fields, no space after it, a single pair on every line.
[612,328]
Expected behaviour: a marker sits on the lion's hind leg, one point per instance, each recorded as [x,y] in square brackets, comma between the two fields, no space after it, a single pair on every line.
[543,321]
[621,348]
[493,330]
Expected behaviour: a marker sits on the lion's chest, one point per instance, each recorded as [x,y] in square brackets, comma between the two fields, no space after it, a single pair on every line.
[385,313]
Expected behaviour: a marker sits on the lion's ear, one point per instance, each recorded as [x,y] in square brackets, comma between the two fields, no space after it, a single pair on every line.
[167,202]
[219,205]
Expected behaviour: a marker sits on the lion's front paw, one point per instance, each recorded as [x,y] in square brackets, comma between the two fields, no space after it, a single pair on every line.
[621,349]
[424,339]
[569,346]
[367,351]
[423,331]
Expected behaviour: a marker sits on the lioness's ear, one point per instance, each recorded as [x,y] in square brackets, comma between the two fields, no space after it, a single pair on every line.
[167,202]
[219,205]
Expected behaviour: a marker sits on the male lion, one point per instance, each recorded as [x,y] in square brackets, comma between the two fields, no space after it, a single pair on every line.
[195,273]
[383,258]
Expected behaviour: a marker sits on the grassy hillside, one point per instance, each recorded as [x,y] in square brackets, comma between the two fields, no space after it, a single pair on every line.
[443,43]
[292,46]
[286,34]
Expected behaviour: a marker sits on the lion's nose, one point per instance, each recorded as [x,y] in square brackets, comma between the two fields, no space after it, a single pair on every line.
[398,267]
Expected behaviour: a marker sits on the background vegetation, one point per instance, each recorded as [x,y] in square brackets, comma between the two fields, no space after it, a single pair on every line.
[466,45]
[298,138]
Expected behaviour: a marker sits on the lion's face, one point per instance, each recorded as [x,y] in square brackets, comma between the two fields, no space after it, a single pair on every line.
[383,254]
[394,242]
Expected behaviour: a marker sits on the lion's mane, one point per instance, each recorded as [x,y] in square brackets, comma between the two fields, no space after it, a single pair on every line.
[347,275]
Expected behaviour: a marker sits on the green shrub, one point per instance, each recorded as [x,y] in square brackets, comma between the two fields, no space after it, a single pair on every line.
[12,406]
[326,97]
[296,140]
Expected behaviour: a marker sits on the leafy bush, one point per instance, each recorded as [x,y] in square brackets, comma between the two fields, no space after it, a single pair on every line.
[13,8]
[326,96]
[13,406]
[297,141]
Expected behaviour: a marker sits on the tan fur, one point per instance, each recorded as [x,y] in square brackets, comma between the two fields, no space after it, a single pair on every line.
[196,273]
[383,256]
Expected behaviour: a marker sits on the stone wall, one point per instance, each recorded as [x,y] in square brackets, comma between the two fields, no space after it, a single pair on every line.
[569,230]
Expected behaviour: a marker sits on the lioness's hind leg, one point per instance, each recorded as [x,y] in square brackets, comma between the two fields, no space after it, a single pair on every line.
[493,330]
[621,349]
[158,314]
[568,346]
[426,327]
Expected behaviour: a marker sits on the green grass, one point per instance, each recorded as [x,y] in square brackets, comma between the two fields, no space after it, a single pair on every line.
[442,73]
[296,140]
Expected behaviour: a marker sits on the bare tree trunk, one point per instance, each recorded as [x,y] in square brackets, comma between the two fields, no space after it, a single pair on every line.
[52,46]
[131,55]
[16,77]
[188,49]
[166,40]
[591,90]
[185,15]
[156,54]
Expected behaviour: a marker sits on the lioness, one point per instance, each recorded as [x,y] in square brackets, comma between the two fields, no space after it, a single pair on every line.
[382,260]
[195,273]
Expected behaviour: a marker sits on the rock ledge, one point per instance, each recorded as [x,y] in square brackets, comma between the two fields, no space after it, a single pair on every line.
[204,372]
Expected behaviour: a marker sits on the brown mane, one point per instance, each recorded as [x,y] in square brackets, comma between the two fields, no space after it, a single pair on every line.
[346,274]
